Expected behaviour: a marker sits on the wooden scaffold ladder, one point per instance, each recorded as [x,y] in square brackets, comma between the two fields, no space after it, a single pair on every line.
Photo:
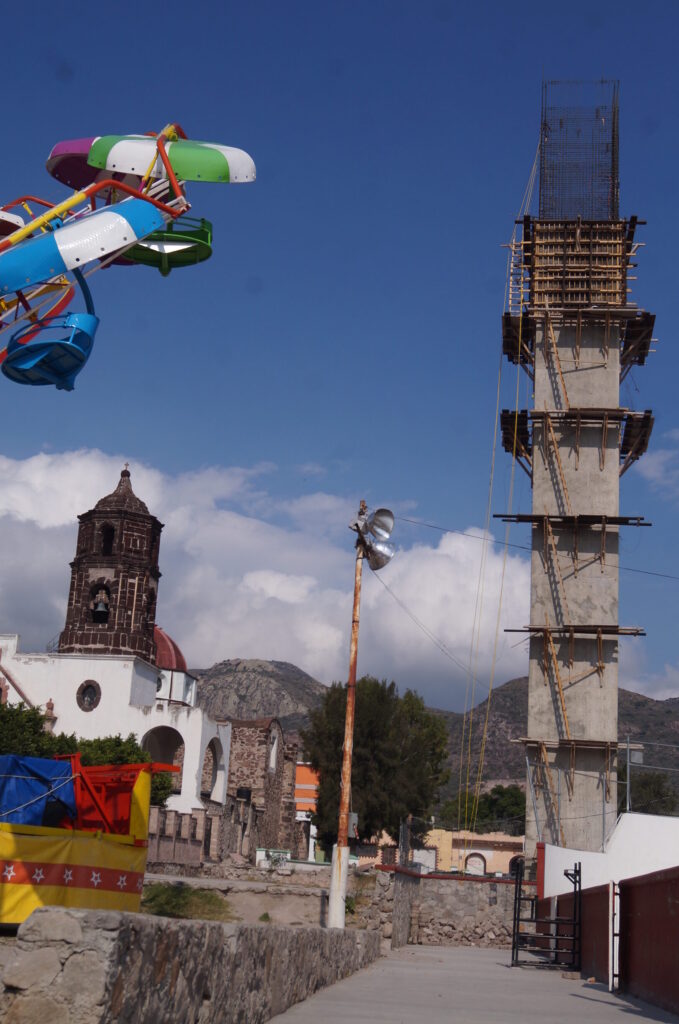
[552,443]
[549,643]
[552,349]
[547,772]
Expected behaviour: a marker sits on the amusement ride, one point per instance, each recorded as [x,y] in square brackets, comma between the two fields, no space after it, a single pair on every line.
[129,207]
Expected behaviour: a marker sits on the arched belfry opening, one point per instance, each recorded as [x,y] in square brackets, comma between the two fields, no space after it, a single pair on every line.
[114,578]
[108,534]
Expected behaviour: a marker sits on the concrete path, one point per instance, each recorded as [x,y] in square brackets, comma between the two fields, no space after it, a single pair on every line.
[432,985]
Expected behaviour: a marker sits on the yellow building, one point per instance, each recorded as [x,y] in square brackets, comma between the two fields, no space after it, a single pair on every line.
[473,852]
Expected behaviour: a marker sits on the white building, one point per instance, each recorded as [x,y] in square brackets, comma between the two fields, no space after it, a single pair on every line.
[115,671]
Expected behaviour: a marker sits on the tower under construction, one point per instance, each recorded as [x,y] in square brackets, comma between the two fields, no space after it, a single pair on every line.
[571,325]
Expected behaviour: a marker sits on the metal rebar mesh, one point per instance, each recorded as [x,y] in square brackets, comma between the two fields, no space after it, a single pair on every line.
[579,175]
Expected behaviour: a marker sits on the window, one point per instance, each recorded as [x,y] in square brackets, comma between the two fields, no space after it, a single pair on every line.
[273,752]
[107,537]
[88,695]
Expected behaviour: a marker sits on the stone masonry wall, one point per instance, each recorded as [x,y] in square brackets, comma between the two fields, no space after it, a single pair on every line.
[433,911]
[102,967]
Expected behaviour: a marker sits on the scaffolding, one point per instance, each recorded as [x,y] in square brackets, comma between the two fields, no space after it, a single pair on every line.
[570,323]
[579,169]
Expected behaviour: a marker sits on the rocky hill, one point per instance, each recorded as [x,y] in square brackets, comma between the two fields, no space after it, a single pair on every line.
[645,720]
[242,688]
[255,689]
[504,761]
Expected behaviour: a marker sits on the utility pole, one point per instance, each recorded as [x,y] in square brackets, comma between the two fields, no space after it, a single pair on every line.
[380,524]
[340,860]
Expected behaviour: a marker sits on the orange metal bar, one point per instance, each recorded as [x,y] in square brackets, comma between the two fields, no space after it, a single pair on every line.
[168,167]
[27,199]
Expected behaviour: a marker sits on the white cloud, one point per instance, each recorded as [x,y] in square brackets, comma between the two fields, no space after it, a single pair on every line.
[661,466]
[634,674]
[247,576]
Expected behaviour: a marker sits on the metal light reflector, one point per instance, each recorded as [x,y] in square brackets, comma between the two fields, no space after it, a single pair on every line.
[378,553]
[380,523]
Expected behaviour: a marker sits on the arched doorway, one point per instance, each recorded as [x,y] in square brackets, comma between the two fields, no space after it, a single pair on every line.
[475,864]
[514,865]
[166,745]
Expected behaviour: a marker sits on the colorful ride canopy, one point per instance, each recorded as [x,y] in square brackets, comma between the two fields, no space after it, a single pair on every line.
[44,258]
[78,242]
[78,162]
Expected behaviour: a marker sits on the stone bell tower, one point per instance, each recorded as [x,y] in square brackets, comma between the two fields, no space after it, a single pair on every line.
[114,578]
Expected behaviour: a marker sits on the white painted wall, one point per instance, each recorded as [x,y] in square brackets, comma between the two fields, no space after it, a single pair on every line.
[639,844]
[135,698]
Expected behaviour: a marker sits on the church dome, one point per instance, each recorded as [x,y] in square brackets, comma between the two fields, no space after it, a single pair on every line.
[168,654]
[122,499]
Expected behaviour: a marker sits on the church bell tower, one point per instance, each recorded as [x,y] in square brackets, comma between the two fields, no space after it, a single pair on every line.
[114,578]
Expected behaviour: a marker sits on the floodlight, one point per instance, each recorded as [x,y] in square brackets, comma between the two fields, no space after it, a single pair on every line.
[380,523]
[378,552]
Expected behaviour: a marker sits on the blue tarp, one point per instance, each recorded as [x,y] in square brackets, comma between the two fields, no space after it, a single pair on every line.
[32,786]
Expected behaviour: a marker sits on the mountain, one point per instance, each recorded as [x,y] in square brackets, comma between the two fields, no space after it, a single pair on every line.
[504,761]
[242,688]
[257,689]
[641,718]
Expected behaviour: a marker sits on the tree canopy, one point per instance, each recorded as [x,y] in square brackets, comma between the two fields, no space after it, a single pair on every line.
[650,792]
[22,732]
[399,757]
[503,809]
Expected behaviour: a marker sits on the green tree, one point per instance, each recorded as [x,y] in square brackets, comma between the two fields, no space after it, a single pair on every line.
[650,792]
[399,757]
[22,732]
[503,809]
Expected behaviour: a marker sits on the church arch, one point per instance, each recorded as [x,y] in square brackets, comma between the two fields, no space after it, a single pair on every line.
[166,745]
[213,775]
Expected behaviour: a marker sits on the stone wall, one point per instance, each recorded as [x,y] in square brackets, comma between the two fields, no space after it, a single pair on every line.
[98,967]
[429,910]
[178,838]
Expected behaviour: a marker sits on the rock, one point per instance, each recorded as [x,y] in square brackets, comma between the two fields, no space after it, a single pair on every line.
[48,925]
[85,972]
[34,968]
[37,1010]
[387,930]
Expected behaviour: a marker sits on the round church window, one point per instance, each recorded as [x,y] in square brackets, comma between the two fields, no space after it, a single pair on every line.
[88,695]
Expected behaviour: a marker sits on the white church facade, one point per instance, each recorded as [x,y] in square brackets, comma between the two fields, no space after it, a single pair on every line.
[114,670]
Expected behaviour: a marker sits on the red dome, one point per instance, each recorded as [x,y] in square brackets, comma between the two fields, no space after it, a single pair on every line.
[168,655]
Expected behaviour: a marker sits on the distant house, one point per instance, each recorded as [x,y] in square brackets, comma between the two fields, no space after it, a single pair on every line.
[475,853]
[306,797]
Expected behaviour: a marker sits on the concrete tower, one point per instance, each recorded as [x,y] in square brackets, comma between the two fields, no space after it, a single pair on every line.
[572,327]
[114,578]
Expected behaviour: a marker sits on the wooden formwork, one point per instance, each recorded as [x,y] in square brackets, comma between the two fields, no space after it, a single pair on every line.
[578,264]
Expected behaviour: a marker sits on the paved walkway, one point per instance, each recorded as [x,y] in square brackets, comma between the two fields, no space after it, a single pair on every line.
[431,984]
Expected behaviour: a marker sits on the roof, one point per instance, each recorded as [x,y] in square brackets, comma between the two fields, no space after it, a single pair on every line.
[123,499]
[168,653]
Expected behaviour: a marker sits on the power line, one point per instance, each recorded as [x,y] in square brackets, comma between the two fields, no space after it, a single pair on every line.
[522,547]
[443,648]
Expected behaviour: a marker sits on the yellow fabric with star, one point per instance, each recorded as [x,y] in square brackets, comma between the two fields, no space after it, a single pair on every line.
[59,867]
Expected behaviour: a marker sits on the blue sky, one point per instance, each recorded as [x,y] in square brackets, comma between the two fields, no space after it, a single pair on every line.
[344,339]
